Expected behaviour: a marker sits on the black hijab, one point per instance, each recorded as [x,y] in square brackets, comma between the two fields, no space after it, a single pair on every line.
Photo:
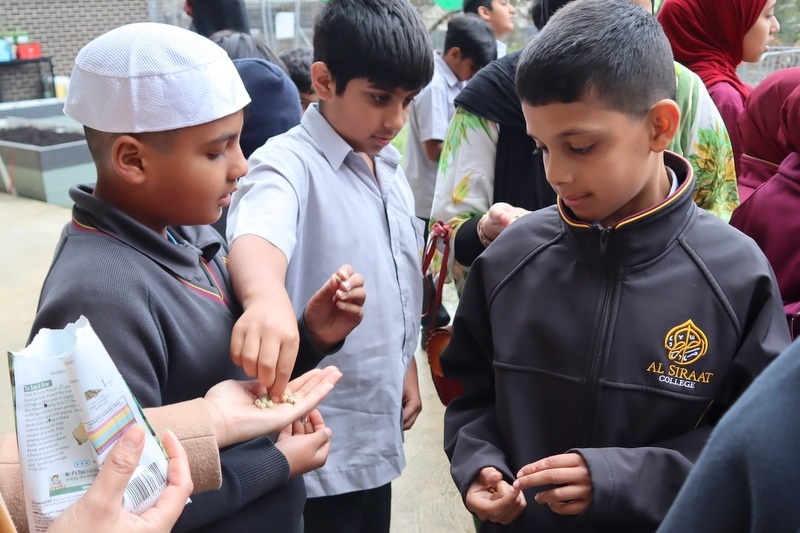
[519,177]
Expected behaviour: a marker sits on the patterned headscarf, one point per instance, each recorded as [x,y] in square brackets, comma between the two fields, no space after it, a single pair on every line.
[707,36]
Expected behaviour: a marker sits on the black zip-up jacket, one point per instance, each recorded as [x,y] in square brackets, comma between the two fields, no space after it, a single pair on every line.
[623,344]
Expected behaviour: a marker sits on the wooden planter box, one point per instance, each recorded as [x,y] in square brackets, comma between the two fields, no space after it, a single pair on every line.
[45,172]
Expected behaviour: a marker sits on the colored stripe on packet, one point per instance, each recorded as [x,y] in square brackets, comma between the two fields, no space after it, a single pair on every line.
[113,428]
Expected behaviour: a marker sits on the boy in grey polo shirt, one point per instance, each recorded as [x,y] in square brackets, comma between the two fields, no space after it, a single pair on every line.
[328,190]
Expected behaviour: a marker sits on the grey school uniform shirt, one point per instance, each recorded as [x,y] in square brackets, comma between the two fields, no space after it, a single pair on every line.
[313,197]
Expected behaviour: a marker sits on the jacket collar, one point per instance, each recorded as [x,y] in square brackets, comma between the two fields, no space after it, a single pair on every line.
[194,242]
[640,237]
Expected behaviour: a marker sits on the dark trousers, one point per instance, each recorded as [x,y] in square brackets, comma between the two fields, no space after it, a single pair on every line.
[363,511]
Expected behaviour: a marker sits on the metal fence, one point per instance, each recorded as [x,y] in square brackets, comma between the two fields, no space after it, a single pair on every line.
[289,23]
[283,23]
[776,59]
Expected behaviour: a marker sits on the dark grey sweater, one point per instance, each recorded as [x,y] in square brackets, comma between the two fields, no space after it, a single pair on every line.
[165,312]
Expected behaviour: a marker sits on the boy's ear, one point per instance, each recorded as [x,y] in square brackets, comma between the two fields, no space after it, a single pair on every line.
[664,117]
[322,81]
[485,13]
[127,154]
[454,53]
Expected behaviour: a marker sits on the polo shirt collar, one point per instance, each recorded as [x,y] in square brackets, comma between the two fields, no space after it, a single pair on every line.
[92,213]
[333,147]
[441,65]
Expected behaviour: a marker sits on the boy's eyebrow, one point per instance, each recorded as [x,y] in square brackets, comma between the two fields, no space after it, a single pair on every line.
[224,138]
[576,131]
[568,133]
[390,89]
[382,87]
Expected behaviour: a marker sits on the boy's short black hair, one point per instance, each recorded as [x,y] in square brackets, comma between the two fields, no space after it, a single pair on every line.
[100,143]
[298,62]
[383,41]
[473,36]
[610,49]
[471,6]
[542,10]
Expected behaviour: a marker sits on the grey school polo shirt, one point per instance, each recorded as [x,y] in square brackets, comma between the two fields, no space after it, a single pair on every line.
[312,196]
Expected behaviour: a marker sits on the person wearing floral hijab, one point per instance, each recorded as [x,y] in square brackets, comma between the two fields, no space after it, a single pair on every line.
[764,144]
[712,37]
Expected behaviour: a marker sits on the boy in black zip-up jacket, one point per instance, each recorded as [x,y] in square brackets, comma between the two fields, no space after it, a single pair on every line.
[599,340]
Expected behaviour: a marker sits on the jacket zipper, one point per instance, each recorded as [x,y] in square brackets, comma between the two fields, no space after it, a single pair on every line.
[604,233]
[598,353]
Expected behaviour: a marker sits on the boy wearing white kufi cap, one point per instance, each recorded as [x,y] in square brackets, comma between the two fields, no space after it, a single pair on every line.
[162,108]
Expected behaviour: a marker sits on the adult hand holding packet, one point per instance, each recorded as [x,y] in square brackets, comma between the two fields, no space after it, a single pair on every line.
[71,406]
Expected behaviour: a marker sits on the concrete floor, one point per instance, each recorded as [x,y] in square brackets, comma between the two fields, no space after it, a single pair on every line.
[424,498]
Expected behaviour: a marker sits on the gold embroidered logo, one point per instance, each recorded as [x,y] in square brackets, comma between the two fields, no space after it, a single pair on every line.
[685,344]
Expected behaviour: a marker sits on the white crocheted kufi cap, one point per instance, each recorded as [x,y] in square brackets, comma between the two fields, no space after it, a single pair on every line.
[148,77]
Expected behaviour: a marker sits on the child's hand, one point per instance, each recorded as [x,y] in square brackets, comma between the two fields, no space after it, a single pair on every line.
[491,498]
[336,308]
[305,444]
[499,217]
[236,419]
[569,473]
[265,340]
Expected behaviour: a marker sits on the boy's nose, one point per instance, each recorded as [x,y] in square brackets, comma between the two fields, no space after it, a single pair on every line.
[238,166]
[395,119]
[556,173]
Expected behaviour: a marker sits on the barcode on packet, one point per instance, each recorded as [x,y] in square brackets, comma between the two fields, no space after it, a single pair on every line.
[150,481]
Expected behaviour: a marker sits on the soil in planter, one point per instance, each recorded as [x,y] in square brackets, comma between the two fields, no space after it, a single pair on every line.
[38,137]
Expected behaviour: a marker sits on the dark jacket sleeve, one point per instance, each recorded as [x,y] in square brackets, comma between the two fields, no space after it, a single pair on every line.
[637,485]
[468,246]
[249,470]
[308,355]
[470,427]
